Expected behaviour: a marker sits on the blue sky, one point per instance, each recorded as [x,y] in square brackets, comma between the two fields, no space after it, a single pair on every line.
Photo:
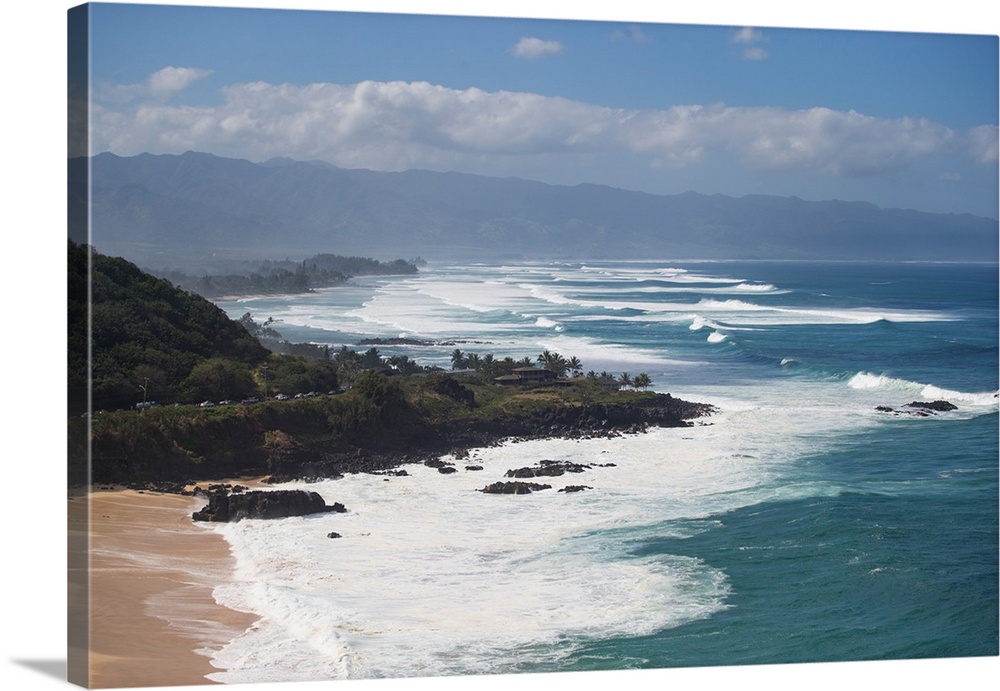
[898,119]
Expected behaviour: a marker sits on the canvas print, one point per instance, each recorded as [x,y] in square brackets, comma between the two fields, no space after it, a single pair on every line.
[423,346]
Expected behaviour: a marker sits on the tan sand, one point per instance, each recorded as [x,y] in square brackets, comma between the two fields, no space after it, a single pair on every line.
[153,621]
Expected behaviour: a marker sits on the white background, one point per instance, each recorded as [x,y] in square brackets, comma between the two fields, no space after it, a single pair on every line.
[33,363]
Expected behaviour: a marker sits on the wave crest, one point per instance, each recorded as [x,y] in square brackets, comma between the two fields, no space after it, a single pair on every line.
[866,381]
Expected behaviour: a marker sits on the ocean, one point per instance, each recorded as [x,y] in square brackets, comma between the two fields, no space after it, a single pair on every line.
[797,524]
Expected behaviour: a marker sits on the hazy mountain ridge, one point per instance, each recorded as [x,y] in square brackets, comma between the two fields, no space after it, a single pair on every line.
[167,206]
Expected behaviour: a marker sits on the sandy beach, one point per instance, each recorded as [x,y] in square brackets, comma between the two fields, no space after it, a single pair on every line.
[153,620]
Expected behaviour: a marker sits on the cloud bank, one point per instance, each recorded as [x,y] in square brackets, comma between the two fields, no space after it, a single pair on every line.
[399,125]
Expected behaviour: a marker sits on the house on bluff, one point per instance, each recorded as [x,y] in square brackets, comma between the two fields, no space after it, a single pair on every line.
[526,376]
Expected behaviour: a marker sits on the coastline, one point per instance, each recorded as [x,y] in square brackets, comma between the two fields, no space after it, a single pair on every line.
[153,618]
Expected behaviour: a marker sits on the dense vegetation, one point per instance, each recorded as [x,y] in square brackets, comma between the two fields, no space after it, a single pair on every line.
[279,277]
[146,336]
[151,341]
[379,421]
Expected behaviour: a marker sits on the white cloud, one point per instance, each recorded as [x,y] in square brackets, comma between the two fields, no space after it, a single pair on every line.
[399,125]
[534,48]
[162,85]
[748,35]
[172,80]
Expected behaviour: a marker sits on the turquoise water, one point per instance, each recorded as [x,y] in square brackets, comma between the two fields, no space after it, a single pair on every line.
[800,525]
[899,563]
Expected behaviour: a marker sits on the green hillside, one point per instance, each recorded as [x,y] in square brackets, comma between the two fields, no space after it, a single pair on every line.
[144,332]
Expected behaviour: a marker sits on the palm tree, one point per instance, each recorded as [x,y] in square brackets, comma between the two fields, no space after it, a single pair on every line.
[488,366]
[371,359]
[554,362]
[642,381]
[457,359]
[575,366]
[625,380]
[404,364]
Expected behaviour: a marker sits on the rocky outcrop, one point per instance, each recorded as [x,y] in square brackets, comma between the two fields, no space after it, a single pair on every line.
[224,507]
[548,468]
[920,408]
[936,406]
[514,488]
[575,488]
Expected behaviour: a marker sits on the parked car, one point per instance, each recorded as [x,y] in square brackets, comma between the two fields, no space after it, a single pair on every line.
[206,404]
[281,397]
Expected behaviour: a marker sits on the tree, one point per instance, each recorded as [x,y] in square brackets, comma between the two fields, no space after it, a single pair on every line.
[152,383]
[262,332]
[625,380]
[376,405]
[292,374]
[575,366]
[348,365]
[457,359]
[642,381]
[217,379]
[404,364]
[371,359]
[554,362]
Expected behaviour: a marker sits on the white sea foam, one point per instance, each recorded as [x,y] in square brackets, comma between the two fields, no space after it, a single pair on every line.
[749,313]
[755,287]
[974,402]
[699,323]
[433,577]
[866,381]
[546,323]
[987,399]
[600,356]
[632,272]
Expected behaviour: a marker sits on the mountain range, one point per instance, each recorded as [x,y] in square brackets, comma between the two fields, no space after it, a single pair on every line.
[181,209]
